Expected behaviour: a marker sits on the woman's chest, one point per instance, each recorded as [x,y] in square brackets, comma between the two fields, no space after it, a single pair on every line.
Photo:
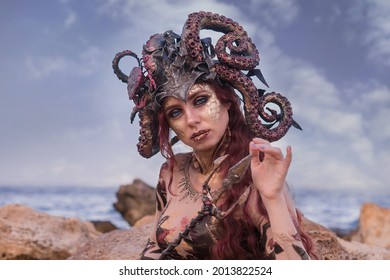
[182,225]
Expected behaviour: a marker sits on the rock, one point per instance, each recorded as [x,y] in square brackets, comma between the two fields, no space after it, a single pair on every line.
[144,221]
[135,201]
[118,244]
[28,234]
[104,226]
[115,245]
[360,251]
[374,226]
[325,241]
[330,247]
[128,244]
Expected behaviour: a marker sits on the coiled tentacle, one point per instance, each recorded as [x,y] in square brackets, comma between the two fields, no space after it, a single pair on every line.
[243,53]
[137,89]
[253,105]
[115,64]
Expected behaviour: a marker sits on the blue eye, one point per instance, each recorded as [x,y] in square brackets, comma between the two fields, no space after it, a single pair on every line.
[174,113]
[200,100]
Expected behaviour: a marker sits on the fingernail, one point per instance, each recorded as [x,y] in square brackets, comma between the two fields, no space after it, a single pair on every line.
[258,146]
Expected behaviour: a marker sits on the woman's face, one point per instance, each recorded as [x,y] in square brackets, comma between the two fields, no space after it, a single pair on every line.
[201,121]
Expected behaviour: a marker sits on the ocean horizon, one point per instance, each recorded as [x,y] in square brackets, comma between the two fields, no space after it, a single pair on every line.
[335,209]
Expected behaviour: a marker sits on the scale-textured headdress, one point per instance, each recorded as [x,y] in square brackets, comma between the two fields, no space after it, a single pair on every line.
[171,64]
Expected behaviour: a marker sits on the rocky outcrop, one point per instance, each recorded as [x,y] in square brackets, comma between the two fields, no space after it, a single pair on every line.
[136,200]
[331,247]
[104,226]
[128,244]
[115,245]
[144,221]
[28,234]
[374,226]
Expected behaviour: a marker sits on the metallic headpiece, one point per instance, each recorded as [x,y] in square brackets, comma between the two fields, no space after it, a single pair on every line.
[171,64]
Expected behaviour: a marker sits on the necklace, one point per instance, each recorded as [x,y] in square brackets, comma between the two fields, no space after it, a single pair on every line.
[185,185]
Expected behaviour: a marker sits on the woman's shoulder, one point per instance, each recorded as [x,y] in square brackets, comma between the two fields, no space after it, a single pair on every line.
[178,160]
[181,158]
[175,165]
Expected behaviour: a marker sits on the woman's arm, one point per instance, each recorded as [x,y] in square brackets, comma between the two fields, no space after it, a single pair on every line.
[269,170]
[152,250]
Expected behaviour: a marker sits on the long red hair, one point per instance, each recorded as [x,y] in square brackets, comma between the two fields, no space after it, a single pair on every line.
[241,238]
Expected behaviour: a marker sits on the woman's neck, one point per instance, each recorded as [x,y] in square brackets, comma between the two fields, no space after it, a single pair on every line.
[203,161]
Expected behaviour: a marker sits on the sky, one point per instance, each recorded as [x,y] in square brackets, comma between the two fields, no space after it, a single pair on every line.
[64,116]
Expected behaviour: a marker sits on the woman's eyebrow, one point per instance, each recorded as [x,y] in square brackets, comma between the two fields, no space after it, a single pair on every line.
[195,93]
[168,105]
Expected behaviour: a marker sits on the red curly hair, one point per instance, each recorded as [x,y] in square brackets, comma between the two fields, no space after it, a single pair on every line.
[241,238]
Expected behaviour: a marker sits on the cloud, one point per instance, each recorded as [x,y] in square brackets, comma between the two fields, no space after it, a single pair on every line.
[149,16]
[103,154]
[376,34]
[40,67]
[89,61]
[83,63]
[373,101]
[275,12]
[70,20]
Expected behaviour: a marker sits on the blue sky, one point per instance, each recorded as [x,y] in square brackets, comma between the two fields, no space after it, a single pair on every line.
[65,116]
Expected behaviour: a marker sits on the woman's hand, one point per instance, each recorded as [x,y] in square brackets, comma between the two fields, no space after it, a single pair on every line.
[269,168]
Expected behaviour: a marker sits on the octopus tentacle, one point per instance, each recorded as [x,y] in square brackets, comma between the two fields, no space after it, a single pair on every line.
[115,64]
[243,53]
[148,141]
[148,144]
[255,106]
[238,46]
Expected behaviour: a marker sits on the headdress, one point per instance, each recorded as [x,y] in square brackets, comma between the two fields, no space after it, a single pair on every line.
[172,63]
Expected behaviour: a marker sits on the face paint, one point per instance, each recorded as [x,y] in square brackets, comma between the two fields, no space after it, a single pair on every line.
[213,107]
[213,104]
[201,121]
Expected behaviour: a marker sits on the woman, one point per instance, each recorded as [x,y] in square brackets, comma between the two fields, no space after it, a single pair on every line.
[227,199]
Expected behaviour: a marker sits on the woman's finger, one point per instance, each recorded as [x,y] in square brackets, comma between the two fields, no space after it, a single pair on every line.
[256,152]
[268,150]
[260,141]
[288,155]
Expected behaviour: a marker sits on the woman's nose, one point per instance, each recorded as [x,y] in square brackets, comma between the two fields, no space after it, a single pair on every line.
[192,117]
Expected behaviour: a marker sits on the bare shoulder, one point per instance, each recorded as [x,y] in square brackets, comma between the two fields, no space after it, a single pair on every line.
[182,156]
[174,166]
[181,159]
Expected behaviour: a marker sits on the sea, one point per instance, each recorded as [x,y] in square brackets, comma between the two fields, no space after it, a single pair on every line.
[335,209]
